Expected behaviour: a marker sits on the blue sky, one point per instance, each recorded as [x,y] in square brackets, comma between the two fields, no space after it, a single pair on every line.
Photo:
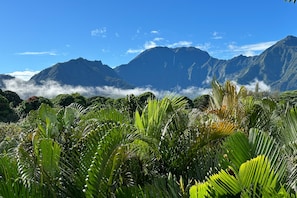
[37,34]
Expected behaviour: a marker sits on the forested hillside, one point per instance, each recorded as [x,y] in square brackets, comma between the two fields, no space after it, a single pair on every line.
[230,143]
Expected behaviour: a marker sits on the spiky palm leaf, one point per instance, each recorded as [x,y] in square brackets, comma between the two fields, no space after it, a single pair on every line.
[10,183]
[288,138]
[238,148]
[110,154]
[76,164]
[255,178]
[166,186]
[163,126]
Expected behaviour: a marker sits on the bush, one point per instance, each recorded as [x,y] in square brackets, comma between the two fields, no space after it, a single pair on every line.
[7,114]
[32,103]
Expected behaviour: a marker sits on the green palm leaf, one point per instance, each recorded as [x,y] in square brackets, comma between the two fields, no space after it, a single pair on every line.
[50,152]
[111,153]
[255,178]
[10,184]
[238,148]
[288,137]
[200,190]
[27,166]
[75,165]
[258,172]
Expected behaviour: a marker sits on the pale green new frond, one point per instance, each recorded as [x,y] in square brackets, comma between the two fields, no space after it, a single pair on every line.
[200,190]
[258,172]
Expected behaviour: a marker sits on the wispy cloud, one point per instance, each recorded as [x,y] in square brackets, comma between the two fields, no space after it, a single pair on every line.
[216,35]
[156,42]
[180,44]
[204,46]
[158,39]
[147,45]
[51,53]
[150,44]
[99,32]
[134,51]
[250,49]
[154,32]
[24,75]
[251,86]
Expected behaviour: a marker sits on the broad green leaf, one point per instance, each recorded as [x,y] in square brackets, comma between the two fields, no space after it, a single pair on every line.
[258,172]
[50,152]
[224,183]
[200,190]
[237,150]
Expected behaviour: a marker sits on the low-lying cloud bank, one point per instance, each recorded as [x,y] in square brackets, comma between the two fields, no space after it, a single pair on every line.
[50,89]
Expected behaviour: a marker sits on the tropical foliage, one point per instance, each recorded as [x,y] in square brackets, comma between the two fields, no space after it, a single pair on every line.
[230,143]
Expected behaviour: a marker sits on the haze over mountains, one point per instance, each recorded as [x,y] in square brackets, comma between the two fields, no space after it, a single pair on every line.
[163,68]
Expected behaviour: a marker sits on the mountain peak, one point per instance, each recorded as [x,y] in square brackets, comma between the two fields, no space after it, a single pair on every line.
[81,72]
[166,68]
[288,41]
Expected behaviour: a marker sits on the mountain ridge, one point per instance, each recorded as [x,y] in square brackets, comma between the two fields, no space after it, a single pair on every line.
[164,68]
[81,72]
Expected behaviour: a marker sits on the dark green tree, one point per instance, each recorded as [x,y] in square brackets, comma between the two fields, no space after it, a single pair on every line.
[32,103]
[6,113]
[201,102]
[13,98]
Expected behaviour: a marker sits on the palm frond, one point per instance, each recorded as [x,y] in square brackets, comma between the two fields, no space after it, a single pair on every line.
[166,186]
[200,190]
[236,150]
[217,94]
[109,155]
[255,178]
[27,166]
[239,148]
[289,140]
[75,165]
[10,184]
[258,172]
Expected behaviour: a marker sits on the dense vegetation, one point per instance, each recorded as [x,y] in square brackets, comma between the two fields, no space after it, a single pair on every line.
[230,143]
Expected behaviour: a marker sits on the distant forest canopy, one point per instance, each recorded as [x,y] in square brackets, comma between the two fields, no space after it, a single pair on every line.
[13,108]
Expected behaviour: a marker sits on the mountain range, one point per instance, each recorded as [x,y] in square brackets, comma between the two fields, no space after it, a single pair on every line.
[164,68]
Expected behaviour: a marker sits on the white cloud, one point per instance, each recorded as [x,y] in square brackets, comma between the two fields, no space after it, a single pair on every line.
[24,75]
[150,44]
[99,32]
[180,44]
[154,32]
[252,86]
[134,51]
[51,53]
[205,46]
[250,49]
[154,43]
[158,39]
[216,35]
[147,45]
[51,89]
